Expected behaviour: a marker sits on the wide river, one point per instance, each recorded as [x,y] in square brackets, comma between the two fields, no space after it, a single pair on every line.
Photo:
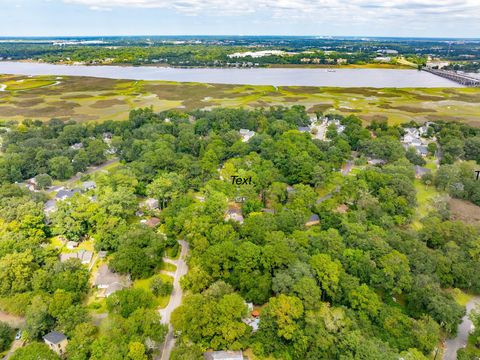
[250,76]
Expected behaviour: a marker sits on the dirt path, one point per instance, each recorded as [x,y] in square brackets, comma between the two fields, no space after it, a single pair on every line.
[460,341]
[175,299]
[13,321]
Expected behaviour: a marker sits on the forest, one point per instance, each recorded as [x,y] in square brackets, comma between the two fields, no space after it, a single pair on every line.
[214,50]
[330,259]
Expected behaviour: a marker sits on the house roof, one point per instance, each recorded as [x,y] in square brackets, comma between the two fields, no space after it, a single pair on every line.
[83,255]
[304,129]
[223,355]
[106,277]
[421,170]
[114,288]
[89,185]
[65,193]
[54,337]
[152,222]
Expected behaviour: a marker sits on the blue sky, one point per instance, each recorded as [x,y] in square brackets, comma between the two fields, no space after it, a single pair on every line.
[420,18]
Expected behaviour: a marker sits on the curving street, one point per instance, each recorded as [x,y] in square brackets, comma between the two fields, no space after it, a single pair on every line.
[175,299]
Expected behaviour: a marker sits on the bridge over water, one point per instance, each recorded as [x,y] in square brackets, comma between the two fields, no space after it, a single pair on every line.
[462,79]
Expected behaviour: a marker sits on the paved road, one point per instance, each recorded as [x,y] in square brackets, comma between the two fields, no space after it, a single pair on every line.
[77,177]
[175,299]
[15,345]
[460,341]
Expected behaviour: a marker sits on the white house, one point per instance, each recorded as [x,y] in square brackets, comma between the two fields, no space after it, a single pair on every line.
[246,134]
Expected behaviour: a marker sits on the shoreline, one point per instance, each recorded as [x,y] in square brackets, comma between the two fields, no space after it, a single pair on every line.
[265,66]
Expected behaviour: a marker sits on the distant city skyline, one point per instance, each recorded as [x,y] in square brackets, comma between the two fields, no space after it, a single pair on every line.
[369,18]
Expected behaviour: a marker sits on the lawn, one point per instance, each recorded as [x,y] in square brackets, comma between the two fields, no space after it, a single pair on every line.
[461,297]
[425,195]
[168,267]
[162,301]
[97,99]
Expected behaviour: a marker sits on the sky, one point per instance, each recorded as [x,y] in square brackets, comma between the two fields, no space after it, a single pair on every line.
[409,18]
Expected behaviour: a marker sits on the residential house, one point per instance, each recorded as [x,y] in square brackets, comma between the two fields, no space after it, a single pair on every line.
[56,341]
[413,138]
[150,204]
[376,162]
[49,207]
[304,129]
[313,220]
[72,245]
[109,282]
[246,134]
[235,215]
[64,194]
[107,137]
[84,256]
[152,222]
[88,185]
[223,355]
[420,171]
[77,146]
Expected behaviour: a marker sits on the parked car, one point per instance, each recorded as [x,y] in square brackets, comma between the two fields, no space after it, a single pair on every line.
[19,335]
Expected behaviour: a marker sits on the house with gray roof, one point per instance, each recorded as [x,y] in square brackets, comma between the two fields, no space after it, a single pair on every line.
[89,185]
[64,194]
[49,207]
[84,256]
[246,134]
[223,355]
[109,282]
[56,341]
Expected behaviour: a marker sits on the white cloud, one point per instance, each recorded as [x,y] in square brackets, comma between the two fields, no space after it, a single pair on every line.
[321,9]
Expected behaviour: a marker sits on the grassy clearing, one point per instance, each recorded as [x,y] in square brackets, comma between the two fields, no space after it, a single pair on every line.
[96,99]
[161,301]
[461,297]
[168,267]
[425,195]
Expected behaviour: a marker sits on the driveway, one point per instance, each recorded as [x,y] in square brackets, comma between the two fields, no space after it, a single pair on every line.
[15,345]
[460,341]
[175,299]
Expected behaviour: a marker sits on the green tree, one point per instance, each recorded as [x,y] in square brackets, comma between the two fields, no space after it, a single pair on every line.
[126,301]
[327,272]
[43,181]
[6,336]
[166,187]
[60,167]
[34,351]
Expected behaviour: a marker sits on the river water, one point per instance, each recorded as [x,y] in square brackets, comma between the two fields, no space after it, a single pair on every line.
[250,76]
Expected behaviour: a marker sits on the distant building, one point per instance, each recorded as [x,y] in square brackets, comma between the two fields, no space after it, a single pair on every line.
[223,355]
[109,282]
[56,341]
[246,134]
